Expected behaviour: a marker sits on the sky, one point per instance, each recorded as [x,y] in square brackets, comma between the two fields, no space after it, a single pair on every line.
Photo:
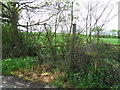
[113,24]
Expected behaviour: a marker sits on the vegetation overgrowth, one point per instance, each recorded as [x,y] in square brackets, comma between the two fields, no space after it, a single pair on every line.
[62,60]
[82,74]
[96,64]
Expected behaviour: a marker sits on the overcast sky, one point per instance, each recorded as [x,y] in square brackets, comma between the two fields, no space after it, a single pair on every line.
[113,24]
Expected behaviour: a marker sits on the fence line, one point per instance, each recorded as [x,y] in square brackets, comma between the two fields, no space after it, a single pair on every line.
[54,54]
[40,58]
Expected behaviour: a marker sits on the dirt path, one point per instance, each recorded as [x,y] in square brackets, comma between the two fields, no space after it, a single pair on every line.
[15,82]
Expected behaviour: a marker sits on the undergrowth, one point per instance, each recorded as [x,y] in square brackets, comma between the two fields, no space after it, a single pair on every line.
[12,64]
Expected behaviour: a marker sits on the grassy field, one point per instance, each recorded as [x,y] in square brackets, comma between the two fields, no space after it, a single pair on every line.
[110,40]
[61,38]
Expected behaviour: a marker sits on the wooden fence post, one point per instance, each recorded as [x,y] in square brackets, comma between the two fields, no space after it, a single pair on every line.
[73,42]
[27,28]
[40,54]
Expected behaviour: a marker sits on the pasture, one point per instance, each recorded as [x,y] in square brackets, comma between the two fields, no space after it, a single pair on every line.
[111,40]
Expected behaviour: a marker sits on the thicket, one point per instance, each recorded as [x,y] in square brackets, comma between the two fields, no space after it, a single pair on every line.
[95,65]
[16,46]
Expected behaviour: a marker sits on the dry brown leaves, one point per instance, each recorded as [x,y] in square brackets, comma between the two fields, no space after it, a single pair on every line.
[45,77]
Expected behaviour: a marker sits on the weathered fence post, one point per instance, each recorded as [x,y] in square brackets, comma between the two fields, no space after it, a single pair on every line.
[73,42]
[73,46]
[63,53]
[27,28]
[40,54]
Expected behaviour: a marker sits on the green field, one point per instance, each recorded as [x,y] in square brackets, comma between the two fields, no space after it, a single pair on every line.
[110,40]
[60,37]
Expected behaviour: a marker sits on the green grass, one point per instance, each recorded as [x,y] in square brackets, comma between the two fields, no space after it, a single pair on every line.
[42,39]
[12,64]
[110,40]
[60,39]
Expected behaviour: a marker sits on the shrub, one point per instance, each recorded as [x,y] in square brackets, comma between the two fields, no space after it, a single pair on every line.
[94,66]
[13,46]
[99,79]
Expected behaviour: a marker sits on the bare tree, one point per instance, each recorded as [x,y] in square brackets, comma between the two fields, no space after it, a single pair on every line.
[95,15]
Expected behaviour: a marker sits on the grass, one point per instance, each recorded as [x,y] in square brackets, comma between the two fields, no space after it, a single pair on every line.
[110,40]
[61,39]
[12,64]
